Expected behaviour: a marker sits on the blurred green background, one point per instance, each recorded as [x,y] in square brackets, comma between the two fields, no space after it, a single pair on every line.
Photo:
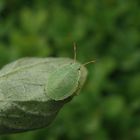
[108,107]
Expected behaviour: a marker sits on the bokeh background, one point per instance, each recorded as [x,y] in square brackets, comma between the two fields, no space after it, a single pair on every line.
[108,107]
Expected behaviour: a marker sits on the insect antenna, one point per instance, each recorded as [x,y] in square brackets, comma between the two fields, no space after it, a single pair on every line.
[93,61]
[74,48]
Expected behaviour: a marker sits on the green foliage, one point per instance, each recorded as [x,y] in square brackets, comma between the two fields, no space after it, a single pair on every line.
[108,107]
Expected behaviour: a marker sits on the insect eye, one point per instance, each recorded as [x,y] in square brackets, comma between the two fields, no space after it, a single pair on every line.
[78,68]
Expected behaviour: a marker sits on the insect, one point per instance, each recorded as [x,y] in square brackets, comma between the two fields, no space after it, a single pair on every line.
[33,90]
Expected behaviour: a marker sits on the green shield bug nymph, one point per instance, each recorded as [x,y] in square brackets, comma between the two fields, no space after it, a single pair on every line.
[33,90]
